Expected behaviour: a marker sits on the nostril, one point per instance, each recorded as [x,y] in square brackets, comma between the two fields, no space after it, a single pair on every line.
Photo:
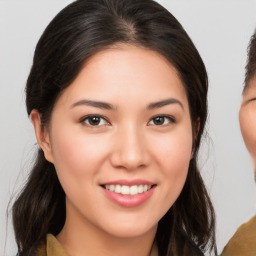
[129,161]
[129,149]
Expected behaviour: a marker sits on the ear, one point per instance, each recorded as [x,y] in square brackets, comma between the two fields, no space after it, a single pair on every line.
[42,135]
[196,129]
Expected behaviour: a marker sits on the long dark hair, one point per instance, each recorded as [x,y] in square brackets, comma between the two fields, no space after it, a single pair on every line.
[76,33]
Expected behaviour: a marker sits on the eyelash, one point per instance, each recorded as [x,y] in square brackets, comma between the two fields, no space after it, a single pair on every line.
[87,120]
[167,118]
[252,99]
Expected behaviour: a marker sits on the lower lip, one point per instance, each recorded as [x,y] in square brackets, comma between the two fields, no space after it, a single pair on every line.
[129,200]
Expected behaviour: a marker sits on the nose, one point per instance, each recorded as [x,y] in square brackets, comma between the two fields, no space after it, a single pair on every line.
[130,149]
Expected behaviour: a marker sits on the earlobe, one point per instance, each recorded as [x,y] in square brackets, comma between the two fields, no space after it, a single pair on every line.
[42,135]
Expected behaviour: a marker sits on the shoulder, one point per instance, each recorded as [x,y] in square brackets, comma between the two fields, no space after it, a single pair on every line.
[51,247]
[243,241]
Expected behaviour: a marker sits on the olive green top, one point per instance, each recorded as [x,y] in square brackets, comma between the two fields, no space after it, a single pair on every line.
[51,248]
[243,242]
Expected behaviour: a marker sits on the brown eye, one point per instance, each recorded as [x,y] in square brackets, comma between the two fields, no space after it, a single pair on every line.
[161,120]
[94,120]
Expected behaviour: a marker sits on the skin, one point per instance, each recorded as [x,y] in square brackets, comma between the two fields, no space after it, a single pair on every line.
[126,144]
[247,118]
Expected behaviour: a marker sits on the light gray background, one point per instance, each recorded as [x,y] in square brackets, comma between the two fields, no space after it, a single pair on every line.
[220,30]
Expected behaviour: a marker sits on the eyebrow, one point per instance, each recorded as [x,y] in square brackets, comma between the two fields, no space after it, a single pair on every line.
[92,103]
[163,103]
[108,106]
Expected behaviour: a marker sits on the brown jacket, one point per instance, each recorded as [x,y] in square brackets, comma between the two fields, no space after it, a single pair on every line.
[243,242]
[51,248]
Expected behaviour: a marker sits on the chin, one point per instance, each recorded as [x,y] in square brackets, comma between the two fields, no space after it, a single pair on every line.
[131,231]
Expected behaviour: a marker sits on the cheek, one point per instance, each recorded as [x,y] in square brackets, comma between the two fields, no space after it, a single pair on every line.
[173,155]
[248,123]
[78,160]
[176,160]
[76,155]
[175,149]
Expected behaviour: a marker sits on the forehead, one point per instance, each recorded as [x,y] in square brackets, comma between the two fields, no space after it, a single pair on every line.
[124,75]
[127,64]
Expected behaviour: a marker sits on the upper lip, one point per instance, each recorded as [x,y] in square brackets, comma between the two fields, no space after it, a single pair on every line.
[129,182]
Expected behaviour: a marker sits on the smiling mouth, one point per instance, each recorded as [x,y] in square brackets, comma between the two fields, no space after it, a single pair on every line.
[128,190]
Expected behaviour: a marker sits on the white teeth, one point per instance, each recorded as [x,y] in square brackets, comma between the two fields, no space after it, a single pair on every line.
[125,190]
[118,189]
[134,190]
[140,189]
[128,190]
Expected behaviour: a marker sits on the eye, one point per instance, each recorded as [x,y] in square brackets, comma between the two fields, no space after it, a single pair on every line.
[249,101]
[94,120]
[161,120]
[252,99]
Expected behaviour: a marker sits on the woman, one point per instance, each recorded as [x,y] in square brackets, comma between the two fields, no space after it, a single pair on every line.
[117,95]
[243,241]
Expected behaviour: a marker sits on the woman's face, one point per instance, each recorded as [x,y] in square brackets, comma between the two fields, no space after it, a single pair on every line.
[120,138]
[247,118]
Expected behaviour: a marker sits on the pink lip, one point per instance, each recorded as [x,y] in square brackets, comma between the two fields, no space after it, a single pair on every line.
[129,200]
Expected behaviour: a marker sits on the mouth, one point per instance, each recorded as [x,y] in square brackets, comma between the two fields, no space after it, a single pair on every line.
[129,193]
[128,190]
